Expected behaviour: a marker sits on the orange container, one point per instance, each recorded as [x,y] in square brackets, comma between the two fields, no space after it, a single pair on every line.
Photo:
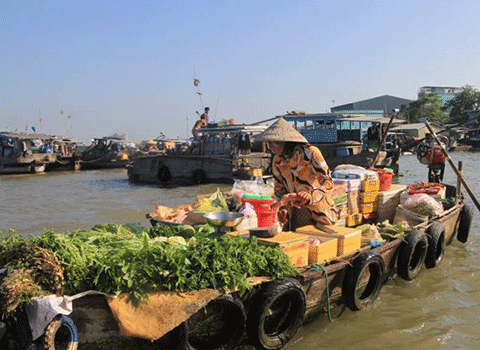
[265,215]
[295,245]
[385,178]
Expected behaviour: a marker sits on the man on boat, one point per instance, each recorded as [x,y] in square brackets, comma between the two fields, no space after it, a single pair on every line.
[302,181]
[200,123]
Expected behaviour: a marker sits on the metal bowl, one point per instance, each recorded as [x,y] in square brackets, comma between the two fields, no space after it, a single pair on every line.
[224,218]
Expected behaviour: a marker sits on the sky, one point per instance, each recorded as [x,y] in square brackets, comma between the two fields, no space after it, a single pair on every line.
[94,68]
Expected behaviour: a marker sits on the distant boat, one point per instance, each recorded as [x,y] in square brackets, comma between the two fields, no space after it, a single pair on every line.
[340,138]
[25,152]
[105,152]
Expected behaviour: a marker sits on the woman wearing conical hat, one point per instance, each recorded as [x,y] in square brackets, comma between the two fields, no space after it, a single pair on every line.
[301,176]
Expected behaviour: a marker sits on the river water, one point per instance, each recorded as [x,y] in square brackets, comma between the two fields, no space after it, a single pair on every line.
[438,310]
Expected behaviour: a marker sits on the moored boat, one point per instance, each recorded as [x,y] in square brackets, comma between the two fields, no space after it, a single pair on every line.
[218,154]
[25,153]
[105,152]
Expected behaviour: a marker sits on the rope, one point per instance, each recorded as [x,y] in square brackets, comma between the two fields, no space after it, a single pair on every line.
[315,267]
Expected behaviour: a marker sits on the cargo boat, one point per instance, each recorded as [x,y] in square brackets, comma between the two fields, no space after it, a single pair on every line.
[219,154]
[25,153]
[105,152]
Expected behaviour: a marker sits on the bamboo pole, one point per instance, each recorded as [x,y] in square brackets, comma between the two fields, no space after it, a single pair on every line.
[459,174]
[384,138]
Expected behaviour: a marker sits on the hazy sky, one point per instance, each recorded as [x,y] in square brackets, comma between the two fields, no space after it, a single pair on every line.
[128,66]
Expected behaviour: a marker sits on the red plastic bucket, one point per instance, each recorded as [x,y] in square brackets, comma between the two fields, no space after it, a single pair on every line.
[385,178]
[265,215]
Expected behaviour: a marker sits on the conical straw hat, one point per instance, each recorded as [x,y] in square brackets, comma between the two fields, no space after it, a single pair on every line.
[281,131]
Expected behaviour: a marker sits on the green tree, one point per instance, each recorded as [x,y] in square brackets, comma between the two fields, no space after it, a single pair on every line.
[428,106]
[467,100]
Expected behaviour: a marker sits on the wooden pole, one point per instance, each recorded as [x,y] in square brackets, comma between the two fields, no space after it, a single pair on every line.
[384,138]
[459,183]
[459,174]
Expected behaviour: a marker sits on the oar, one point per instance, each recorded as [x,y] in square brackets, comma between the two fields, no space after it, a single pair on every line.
[384,138]
[459,174]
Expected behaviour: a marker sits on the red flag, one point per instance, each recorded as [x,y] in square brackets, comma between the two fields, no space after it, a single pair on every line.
[196,82]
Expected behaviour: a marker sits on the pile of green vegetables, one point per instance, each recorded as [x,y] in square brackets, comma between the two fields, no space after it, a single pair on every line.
[131,259]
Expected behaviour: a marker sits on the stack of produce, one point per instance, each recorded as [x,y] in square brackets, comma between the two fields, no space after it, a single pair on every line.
[130,259]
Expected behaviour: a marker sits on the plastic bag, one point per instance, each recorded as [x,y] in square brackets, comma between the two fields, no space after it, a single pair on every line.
[249,218]
[423,204]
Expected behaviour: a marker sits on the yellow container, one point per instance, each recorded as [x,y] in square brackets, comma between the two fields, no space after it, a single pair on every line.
[295,245]
[354,220]
[370,185]
[368,197]
[349,239]
[321,249]
[367,208]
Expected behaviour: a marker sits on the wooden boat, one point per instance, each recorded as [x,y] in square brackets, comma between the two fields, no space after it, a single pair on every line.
[67,156]
[341,139]
[25,153]
[269,315]
[105,152]
[218,155]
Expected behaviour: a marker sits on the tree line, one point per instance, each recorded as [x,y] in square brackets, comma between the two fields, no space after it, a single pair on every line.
[430,105]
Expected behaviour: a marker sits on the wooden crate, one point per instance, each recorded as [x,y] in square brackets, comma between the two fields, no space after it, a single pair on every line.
[295,245]
[349,239]
[321,249]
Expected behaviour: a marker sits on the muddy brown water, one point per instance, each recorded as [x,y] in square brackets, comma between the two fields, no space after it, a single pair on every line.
[438,310]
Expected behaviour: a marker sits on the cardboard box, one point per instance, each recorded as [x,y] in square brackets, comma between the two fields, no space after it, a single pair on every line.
[340,200]
[387,202]
[353,202]
[370,185]
[367,208]
[368,197]
[349,239]
[354,220]
[321,249]
[295,245]
[351,184]
[339,189]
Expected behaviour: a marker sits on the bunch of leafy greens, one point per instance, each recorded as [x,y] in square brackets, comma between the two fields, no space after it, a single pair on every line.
[130,259]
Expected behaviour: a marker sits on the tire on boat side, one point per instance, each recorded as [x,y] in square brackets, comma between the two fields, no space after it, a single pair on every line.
[164,174]
[220,325]
[466,215]
[411,255]
[436,245]
[176,339]
[357,292]
[199,177]
[61,333]
[276,313]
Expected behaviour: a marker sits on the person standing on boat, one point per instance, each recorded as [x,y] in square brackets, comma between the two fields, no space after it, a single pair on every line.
[373,136]
[301,177]
[200,123]
[205,114]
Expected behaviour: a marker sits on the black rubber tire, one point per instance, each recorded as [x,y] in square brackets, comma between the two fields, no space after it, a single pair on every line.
[164,174]
[176,339]
[275,314]
[221,324]
[61,333]
[357,294]
[411,255]
[436,245]
[466,216]
[199,177]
